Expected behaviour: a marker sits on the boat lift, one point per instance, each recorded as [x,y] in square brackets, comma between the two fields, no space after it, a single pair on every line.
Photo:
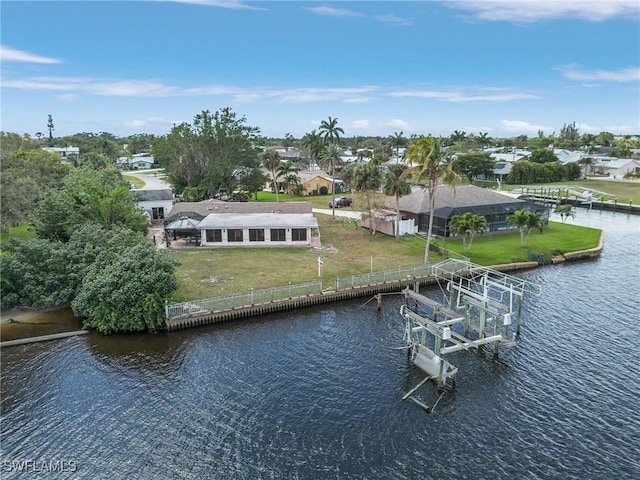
[479,308]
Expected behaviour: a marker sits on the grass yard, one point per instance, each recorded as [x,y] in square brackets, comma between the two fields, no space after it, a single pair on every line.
[501,249]
[349,250]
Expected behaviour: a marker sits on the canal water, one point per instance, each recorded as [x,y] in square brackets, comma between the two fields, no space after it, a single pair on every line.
[317,393]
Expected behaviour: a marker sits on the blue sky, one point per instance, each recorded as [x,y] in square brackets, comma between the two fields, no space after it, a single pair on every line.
[505,67]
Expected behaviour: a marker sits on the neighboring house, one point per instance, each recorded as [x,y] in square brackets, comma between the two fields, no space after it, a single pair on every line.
[494,206]
[568,156]
[64,152]
[313,181]
[615,167]
[214,223]
[139,161]
[157,203]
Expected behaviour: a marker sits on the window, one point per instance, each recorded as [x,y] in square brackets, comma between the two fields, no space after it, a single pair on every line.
[256,235]
[234,235]
[299,234]
[278,235]
[214,235]
[157,213]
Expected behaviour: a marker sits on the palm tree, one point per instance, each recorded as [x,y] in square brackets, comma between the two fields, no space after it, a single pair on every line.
[467,225]
[397,141]
[366,178]
[483,140]
[396,185]
[330,131]
[526,221]
[429,166]
[329,158]
[314,143]
[565,211]
[271,161]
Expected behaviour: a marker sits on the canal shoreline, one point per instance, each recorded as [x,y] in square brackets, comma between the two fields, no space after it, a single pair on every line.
[27,315]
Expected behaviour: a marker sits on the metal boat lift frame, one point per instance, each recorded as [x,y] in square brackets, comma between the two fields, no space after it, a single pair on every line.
[484,301]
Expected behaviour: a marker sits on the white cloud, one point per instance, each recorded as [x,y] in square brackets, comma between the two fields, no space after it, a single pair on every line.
[484,95]
[326,11]
[8,54]
[332,12]
[397,123]
[518,126]
[528,11]
[141,122]
[631,74]
[394,20]
[360,125]
[229,4]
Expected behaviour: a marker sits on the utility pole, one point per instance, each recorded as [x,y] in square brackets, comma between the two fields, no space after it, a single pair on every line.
[50,127]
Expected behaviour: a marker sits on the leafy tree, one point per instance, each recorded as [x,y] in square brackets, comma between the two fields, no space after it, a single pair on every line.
[605,139]
[34,274]
[208,153]
[367,178]
[271,161]
[525,221]
[252,180]
[87,195]
[543,156]
[124,289]
[565,211]
[428,165]
[569,136]
[471,165]
[467,225]
[396,185]
[25,176]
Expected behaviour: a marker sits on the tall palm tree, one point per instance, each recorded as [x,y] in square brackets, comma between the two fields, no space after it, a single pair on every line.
[271,161]
[397,141]
[330,130]
[396,185]
[428,165]
[329,158]
[366,178]
[314,143]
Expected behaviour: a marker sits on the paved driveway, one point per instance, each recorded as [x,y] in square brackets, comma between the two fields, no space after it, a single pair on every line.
[152,180]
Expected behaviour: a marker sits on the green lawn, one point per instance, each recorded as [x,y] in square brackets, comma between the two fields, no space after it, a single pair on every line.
[505,248]
[21,232]
[350,250]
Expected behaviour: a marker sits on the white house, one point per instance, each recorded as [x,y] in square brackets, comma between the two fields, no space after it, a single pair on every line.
[138,161]
[214,223]
[64,152]
[157,203]
[615,167]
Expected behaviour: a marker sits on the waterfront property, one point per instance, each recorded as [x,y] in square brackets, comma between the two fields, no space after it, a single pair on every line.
[214,223]
[451,201]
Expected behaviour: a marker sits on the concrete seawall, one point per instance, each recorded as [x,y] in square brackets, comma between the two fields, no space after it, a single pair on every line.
[207,318]
[42,338]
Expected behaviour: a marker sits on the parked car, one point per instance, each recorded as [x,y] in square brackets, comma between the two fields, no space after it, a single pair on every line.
[340,202]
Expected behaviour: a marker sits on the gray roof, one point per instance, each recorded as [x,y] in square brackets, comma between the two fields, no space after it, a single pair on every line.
[154,195]
[200,210]
[259,220]
[183,223]
[446,196]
